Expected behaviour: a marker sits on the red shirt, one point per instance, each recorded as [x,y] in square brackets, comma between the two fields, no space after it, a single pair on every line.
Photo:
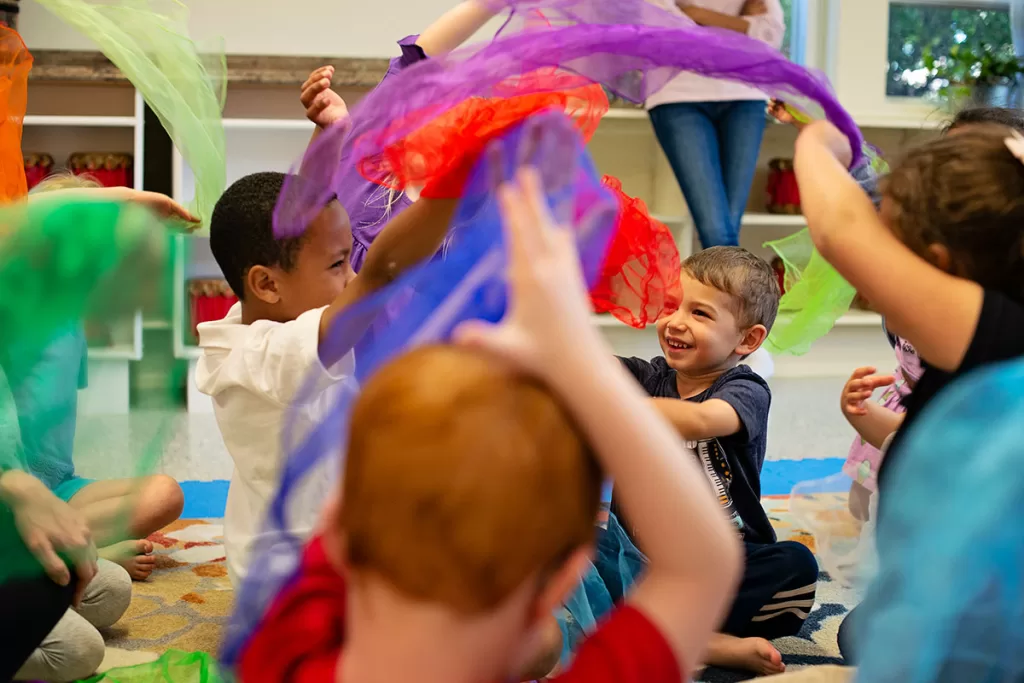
[300,639]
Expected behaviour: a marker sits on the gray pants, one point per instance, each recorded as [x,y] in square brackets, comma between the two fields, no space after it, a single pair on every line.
[74,649]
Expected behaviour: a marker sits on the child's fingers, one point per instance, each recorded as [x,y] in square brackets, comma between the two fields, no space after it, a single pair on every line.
[521,233]
[318,75]
[314,90]
[860,373]
[533,193]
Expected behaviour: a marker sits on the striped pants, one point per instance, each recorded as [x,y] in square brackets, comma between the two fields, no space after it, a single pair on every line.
[777,591]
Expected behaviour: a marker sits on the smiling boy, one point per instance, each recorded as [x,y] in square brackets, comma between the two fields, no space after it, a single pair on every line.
[730,300]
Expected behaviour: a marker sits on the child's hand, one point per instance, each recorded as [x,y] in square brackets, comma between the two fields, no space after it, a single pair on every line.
[160,204]
[824,134]
[777,109]
[49,526]
[324,107]
[858,390]
[547,323]
[753,8]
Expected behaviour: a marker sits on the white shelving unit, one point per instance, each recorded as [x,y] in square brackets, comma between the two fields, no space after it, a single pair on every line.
[107,118]
[624,146]
[253,144]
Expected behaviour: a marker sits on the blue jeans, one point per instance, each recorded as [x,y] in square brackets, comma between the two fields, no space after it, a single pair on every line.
[712,148]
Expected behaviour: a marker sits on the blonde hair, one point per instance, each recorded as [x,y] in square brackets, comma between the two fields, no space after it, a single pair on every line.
[66,181]
[463,479]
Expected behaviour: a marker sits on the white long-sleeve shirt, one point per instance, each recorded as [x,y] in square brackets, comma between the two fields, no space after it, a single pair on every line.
[769,28]
[255,373]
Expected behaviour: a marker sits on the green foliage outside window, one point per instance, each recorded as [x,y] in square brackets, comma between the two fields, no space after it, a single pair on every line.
[931,45]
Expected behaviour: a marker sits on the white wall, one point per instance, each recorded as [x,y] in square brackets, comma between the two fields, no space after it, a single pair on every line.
[349,28]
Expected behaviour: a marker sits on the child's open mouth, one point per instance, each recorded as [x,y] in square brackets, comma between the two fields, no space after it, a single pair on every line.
[677,345]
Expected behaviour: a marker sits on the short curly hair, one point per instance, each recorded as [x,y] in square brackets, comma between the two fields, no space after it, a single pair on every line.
[242,229]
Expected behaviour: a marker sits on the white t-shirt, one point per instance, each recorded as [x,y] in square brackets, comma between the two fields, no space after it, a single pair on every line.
[769,28]
[253,373]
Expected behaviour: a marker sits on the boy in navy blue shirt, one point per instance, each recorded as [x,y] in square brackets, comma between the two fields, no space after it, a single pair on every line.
[730,300]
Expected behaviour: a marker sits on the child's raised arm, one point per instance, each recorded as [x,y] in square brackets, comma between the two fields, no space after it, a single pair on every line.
[694,553]
[455,27]
[934,311]
[408,239]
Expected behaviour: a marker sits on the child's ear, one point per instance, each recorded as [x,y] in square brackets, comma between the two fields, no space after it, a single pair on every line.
[563,581]
[262,283]
[938,255]
[752,340]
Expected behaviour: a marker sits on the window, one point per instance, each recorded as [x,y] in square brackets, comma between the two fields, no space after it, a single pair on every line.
[916,27]
[795,39]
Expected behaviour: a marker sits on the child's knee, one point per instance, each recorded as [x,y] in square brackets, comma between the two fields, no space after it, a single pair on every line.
[803,566]
[168,492]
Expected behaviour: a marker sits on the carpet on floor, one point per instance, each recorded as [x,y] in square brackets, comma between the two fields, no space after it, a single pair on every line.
[186,604]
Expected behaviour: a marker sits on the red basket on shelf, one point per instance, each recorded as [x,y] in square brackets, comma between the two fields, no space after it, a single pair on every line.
[109,169]
[783,194]
[37,167]
[209,300]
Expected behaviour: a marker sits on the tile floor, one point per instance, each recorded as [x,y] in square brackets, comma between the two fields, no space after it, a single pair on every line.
[805,425]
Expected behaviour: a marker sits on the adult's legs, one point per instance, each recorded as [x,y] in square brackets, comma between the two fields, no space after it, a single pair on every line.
[740,130]
[688,135]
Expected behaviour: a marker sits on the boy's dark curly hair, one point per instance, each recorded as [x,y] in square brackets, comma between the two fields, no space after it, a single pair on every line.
[242,232]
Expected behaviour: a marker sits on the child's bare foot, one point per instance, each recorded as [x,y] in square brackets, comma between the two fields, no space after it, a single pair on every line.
[746,654]
[135,556]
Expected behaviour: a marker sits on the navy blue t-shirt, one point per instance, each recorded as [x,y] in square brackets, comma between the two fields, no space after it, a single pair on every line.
[732,463]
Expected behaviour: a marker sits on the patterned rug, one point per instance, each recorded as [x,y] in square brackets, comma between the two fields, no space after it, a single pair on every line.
[185,605]
[816,644]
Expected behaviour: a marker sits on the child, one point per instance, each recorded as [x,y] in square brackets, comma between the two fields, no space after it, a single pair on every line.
[730,299]
[462,527]
[875,422]
[256,359]
[45,382]
[942,261]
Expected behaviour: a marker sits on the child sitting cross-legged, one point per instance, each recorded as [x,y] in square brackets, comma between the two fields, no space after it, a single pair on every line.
[730,300]
[472,481]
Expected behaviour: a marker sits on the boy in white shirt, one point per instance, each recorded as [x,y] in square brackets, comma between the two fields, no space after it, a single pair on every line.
[268,346]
